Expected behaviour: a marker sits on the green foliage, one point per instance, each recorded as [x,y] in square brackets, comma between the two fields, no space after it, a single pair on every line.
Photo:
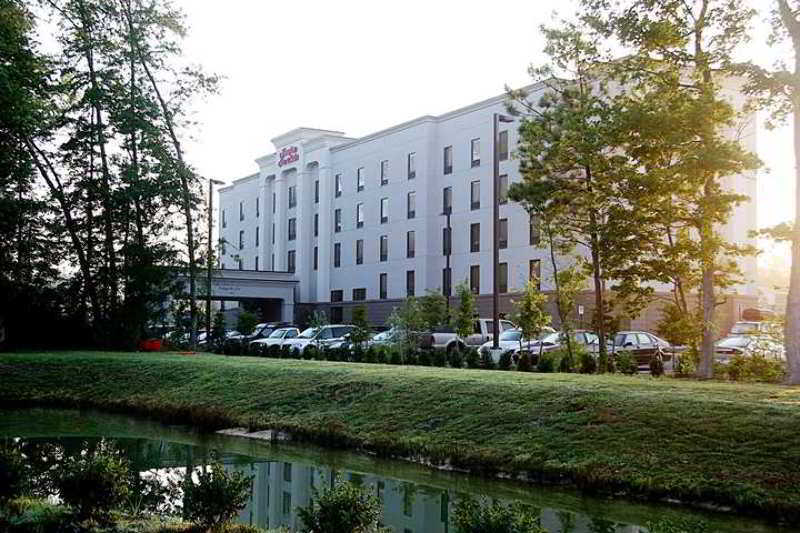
[439,358]
[524,364]
[455,358]
[755,368]
[246,322]
[678,525]
[472,517]
[312,352]
[273,351]
[218,329]
[433,308]
[395,356]
[362,331]
[548,361]
[657,366]
[215,497]
[530,313]
[472,358]
[424,358]
[679,327]
[626,364]
[505,362]
[464,318]
[587,363]
[13,473]
[407,320]
[343,509]
[566,359]
[94,484]
[411,357]
[487,362]
[371,355]
[317,319]
[382,355]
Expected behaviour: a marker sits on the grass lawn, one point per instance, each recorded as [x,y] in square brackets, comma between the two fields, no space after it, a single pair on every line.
[721,443]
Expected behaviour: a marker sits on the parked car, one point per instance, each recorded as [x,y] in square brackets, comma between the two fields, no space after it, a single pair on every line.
[752,327]
[276,338]
[748,345]
[643,346]
[548,341]
[447,339]
[239,342]
[320,337]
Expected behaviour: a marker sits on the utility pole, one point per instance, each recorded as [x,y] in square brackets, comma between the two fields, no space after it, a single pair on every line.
[497,118]
[210,262]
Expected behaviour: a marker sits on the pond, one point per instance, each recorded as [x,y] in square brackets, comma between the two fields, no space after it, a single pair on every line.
[414,499]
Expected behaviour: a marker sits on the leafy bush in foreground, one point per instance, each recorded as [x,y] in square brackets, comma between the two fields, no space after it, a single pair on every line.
[472,517]
[13,473]
[214,499]
[626,364]
[755,368]
[342,509]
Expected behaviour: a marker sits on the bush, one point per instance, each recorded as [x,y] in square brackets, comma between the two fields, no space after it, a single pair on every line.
[438,357]
[216,497]
[13,474]
[548,362]
[286,352]
[311,352]
[486,361]
[371,355]
[524,364]
[455,358]
[382,354]
[472,358]
[587,364]
[318,354]
[657,366]
[754,368]
[424,358]
[566,361]
[626,364]
[505,360]
[412,358]
[395,357]
[94,484]
[274,351]
[471,517]
[357,354]
[343,509]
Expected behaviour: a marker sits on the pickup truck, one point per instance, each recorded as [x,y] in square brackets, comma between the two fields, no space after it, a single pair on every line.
[447,339]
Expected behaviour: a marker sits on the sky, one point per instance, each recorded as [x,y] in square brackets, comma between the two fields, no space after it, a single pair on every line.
[362,66]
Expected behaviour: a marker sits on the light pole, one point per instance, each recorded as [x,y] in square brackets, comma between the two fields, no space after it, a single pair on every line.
[210,262]
[497,118]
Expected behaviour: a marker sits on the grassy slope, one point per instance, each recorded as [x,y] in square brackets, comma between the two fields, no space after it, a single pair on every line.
[703,442]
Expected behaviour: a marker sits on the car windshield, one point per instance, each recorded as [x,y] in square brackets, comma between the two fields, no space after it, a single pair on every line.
[551,338]
[591,338]
[733,342]
[511,335]
[309,333]
[745,327]
[276,334]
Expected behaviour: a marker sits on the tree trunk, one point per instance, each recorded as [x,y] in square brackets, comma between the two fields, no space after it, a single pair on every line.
[792,326]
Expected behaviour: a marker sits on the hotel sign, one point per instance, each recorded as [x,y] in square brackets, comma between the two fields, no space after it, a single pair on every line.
[288,155]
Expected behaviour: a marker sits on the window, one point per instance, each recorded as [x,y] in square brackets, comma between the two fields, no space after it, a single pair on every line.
[475,195]
[409,283]
[316,224]
[360,251]
[316,191]
[258,208]
[475,279]
[447,158]
[383,284]
[292,229]
[410,244]
[503,189]
[256,263]
[535,234]
[502,274]
[447,241]
[241,211]
[503,230]
[224,220]
[337,295]
[360,179]
[316,258]
[411,205]
[447,200]
[337,315]
[241,239]
[292,196]
[287,503]
[359,215]
[258,233]
[502,145]
[290,261]
[337,254]
[337,185]
[384,172]
[359,294]
[384,210]
[446,282]
[475,237]
[475,151]
[274,202]
[337,220]
[384,248]
[535,272]
[412,165]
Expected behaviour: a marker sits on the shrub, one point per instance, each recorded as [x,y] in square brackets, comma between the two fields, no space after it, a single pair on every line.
[473,358]
[13,473]
[505,360]
[678,525]
[343,354]
[455,358]
[311,352]
[395,357]
[330,354]
[657,366]
[286,352]
[382,355]
[754,368]
[566,361]
[216,497]
[94,484]
[274,351]
[424,358]
[487,361]
[587,364]
[412,358]
[246,322]
[371,355]
[357,355]
[344,508]
[685,363]
[548,362]
[626,364]
[471,517]
[524,364]
[438,357]
[319,354]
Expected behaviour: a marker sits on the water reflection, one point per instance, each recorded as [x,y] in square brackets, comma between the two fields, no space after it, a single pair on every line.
[280,487]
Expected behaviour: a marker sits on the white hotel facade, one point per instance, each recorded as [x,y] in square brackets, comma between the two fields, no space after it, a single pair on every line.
[362,221]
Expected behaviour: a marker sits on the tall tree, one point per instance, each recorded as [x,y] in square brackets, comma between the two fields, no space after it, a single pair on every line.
[778,90]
